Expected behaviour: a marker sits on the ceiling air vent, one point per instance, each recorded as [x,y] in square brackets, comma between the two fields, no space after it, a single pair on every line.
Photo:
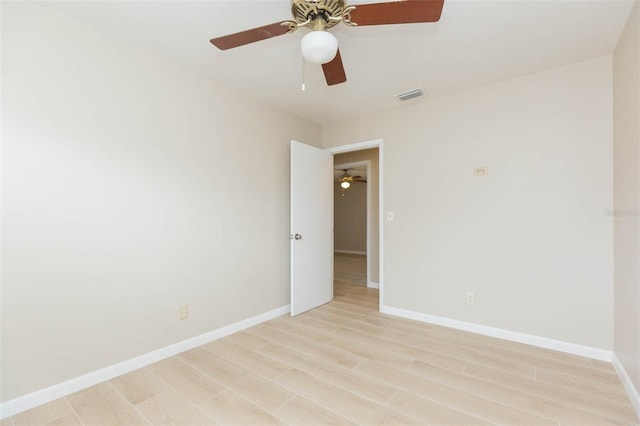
[410,94]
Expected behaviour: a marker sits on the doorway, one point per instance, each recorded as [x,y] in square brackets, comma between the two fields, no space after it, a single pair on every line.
[357,224]
[312,226]
[351,221]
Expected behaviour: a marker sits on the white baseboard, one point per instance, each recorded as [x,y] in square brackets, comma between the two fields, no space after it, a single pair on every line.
[371,284]
[34,399]
[363,253]
[632,392]
[529,339]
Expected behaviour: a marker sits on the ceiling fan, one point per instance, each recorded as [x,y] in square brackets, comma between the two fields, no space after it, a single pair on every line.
[320,46]
[346,179]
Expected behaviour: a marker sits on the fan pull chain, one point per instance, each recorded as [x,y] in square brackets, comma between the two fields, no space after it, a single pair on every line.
[303,86]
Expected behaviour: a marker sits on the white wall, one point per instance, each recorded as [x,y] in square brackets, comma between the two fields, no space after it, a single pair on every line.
[531,239]
[626,79]
[130,186]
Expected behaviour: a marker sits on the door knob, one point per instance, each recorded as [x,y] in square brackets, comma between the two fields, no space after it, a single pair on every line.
[298,237]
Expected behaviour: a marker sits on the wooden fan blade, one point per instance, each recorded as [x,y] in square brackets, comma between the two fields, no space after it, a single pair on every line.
[249,36]
[334,71]
[397,12]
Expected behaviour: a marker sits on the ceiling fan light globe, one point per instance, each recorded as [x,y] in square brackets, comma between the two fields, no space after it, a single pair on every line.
[319,47]
[345,185]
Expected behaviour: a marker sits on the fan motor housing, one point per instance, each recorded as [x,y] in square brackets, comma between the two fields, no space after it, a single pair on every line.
[305,10]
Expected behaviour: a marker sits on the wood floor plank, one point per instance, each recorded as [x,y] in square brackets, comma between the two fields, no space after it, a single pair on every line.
[139,385]
[425,338]
[330,339]
[249,359]
[248,339]
[347,312]
[365,302]
[350,269]
[256,389]
[567,367]
[344,403]
[229,408]
[364,296]
[586,402]
[368,351]
[614,393]
[69,420]
[312,347]
[44,414]
[171,408]
[194,385]
[461,400]
[346,304]
[520,399]
[358,301]
[344,282]
[103,405]
[461,353]
[431,412]
[343,322]
[412,352]
[305,326]
[301,411]
[361,385]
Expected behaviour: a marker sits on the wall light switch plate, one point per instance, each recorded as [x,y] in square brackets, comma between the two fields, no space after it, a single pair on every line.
[481,171]
[390,216]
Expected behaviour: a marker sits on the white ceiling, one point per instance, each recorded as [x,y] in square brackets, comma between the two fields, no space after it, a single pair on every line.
[476,42]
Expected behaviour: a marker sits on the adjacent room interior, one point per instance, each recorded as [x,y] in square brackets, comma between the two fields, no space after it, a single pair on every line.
[146,203]
[356,211]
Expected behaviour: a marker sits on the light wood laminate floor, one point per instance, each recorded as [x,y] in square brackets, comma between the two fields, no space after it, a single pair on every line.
[344,363]
[350,269]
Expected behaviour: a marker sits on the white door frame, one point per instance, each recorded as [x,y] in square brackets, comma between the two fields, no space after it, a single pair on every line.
[374,143]
[367,165]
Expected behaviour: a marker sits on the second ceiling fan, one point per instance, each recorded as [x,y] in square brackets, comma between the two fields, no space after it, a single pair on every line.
[320,46]
[346,179]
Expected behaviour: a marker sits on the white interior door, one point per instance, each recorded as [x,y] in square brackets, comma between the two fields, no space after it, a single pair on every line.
[311,227]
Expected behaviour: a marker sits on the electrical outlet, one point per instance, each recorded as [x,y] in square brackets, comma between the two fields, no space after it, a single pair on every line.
[481,171]
[471,299]
[184,312]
